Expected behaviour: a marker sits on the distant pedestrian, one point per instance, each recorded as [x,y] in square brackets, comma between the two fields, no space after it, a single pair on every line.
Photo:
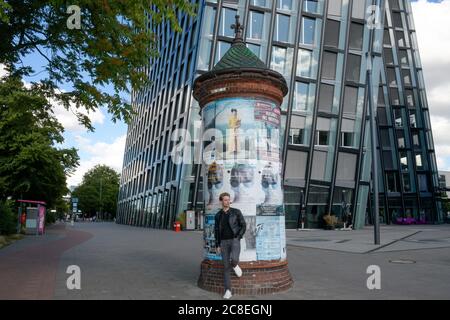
[229,229]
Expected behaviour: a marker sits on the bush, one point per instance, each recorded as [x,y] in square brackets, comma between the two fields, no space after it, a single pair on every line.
[8,220]
[50,217]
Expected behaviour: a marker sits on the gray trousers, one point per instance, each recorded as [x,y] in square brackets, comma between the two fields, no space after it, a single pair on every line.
[230,251]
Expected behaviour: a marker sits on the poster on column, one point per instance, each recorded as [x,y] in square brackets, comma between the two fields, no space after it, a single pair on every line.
[241,156]
[209,240]
[270,238]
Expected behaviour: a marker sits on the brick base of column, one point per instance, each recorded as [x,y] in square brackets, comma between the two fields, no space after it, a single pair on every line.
[258,277]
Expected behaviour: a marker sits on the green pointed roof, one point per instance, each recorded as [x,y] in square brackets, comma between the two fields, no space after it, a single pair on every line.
[239,56]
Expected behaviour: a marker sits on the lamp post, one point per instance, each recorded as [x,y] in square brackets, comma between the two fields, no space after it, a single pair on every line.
[376,223]
[301,214]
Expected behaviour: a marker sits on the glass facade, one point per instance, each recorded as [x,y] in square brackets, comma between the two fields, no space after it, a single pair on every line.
[320,47]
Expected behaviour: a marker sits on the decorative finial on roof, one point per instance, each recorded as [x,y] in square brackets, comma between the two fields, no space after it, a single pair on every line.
[238,28]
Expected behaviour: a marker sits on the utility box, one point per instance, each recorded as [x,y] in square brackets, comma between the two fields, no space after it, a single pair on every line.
[190,220]
[32,220]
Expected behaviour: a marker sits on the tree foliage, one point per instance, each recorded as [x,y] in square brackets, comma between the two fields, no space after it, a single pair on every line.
[98,191]
[32,166]
[112,48]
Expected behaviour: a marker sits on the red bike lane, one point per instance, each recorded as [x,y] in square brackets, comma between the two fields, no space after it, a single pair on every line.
[30,273]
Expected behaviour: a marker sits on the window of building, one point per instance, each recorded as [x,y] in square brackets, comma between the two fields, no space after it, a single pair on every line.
[348,136]
[282,28]
[334,8]
[394,4]
[406,182]
[409,98]
[304,96]
[404,160]
[313,6]
[322,138]
[347,139]
[382,117]
[419,164]
[401,139]
[397,20]
[284,4]
[387,160]
[416,140]
[332,33]
[326,94]
[388,56]
[319,165]
[392,182]
[308,31]
[221,49]
[423,182]
[401,41]
[256,25]
[359,9]
[306,64]
[406,75]
[350,99]
[386,37]
[261,3]
[353,67]
[391,78]
[398,117]
[227,18]
[296,136]
[394,97]
[279,59]
[329,65]
[356,36]
[385,140]
[412,119]
[206,40]
[403,57]
[296,164]
[346,167]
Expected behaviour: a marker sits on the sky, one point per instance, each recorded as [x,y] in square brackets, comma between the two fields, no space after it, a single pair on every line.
[106,145]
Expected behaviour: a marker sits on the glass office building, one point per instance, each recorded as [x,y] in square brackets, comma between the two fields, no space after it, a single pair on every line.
[322,47]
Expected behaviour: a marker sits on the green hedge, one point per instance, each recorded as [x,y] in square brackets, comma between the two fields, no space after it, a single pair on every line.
[8,220]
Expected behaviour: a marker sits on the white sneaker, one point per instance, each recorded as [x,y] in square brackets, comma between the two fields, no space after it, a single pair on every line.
[238,271]
[227,294]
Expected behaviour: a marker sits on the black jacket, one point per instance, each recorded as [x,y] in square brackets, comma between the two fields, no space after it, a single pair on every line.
[236,220]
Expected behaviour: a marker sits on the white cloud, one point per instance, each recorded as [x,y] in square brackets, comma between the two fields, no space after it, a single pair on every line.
[69,120]
[432,25]
[110,154]
[2,71]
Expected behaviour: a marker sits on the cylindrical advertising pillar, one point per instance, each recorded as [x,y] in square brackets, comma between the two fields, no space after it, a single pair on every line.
[240,106]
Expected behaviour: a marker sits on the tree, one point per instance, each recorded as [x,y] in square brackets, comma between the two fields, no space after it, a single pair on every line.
[31,165]
[98,191]
[112,47]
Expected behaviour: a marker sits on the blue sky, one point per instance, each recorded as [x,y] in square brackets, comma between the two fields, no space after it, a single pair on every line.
[106,145]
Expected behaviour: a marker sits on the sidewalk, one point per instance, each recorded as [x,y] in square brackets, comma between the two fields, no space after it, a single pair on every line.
[392,238]
[125,262]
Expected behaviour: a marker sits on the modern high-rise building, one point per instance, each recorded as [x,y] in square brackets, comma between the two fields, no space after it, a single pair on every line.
[323,49]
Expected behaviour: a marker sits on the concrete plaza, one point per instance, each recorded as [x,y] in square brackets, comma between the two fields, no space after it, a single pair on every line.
[124,262]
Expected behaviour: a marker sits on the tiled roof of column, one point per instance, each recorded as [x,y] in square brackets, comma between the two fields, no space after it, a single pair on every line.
[239,56]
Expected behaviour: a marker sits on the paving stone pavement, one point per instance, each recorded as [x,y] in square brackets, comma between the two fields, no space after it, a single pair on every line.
[125,262]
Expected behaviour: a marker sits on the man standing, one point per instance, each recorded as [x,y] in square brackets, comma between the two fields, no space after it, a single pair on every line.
[229,229]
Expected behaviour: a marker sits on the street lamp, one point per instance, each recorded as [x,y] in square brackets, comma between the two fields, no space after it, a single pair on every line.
[301,215]
[376,224]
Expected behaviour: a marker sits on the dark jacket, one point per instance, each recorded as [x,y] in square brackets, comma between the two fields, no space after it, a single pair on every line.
[236,220]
